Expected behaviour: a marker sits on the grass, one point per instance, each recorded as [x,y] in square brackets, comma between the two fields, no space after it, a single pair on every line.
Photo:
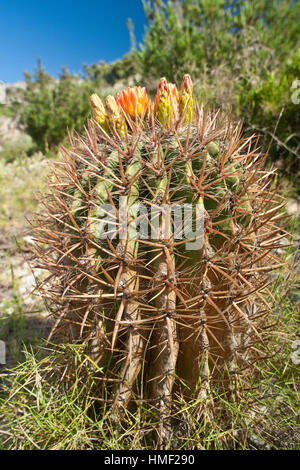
[18,326]
[41,412]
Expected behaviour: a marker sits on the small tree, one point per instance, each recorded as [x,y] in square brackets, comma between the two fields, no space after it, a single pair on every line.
[52,106]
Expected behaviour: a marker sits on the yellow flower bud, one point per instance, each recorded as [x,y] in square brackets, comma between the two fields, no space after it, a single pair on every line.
[115,118]
[186,101]
[99,110]
[166,102]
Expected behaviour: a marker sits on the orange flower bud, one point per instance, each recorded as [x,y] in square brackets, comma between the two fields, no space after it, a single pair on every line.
[166,102]
[134,101]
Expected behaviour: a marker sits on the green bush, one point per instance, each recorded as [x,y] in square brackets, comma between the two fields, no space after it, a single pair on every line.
[16,150]
[200,35]
[102,74]
[244,55]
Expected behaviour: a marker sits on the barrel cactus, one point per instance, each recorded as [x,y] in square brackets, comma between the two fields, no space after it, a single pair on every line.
[158,234]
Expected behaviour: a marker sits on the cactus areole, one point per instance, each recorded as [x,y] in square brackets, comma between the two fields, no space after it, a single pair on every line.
[159,232]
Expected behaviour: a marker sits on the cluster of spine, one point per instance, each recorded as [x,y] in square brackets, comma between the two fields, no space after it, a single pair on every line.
[159,318]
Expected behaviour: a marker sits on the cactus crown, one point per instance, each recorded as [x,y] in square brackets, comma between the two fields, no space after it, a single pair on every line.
[158,234]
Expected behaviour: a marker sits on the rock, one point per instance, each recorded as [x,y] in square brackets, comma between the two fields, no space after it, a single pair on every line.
[295,356]
[258,442]
[12,92]
[28,240]
[293,207]
[11,132]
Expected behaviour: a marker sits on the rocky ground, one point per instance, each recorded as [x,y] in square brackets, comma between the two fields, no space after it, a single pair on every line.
[23,316]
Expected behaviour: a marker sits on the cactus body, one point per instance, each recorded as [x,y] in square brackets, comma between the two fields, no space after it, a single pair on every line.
[165,312]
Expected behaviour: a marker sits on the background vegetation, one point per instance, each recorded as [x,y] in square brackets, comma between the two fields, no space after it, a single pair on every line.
[242,55]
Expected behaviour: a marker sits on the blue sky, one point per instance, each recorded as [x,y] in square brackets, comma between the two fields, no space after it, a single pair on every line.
[64,33]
